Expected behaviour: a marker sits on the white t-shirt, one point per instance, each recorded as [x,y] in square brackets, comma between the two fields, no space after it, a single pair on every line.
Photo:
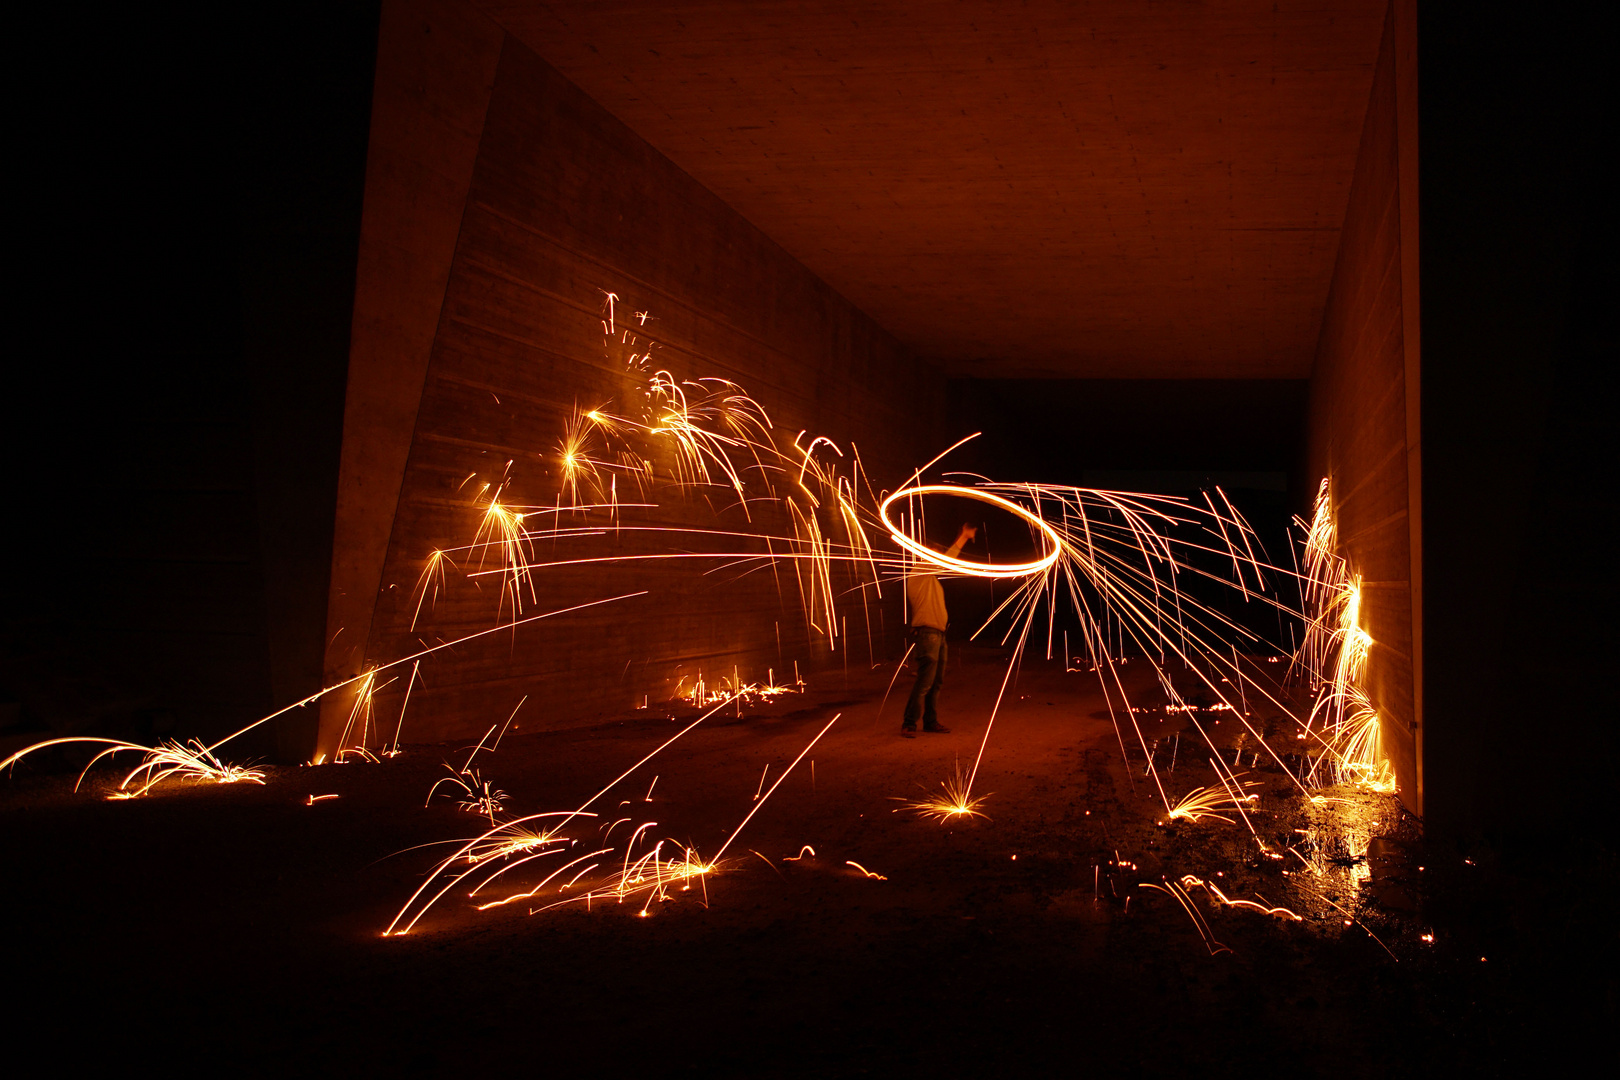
[927,600]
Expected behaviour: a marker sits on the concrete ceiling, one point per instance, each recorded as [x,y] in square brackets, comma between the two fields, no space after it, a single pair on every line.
[1046,188]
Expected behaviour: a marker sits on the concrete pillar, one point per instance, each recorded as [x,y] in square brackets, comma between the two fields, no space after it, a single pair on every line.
[436,63]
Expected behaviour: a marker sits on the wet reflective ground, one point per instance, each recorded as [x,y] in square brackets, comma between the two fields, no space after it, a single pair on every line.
[241,925]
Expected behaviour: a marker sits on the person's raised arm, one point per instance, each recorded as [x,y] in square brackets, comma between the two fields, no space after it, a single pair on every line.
[967,533]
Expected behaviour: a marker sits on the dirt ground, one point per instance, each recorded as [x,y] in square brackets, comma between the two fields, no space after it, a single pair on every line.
[239,928]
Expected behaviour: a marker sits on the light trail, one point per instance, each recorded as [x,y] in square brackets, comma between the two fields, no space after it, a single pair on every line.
[1333,658]
[432,575]
[361,716]
[1190,882]
[514,837]
[406,704]
[203,759]
[1179,894]
[1207,802]
[650,875]
[785,774]
[967,566]
[910,646]
[1135,596]
[1118,562]
[1351,918]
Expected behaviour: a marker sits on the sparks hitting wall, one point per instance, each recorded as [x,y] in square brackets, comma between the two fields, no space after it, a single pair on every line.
[1363,427]
[502,205]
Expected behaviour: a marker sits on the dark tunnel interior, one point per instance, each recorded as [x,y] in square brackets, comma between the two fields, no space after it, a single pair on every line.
[225,306]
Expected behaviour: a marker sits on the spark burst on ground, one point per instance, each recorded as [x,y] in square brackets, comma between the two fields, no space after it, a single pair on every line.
[953,801]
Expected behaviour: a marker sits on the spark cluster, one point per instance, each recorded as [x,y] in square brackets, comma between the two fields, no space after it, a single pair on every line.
[1113,563]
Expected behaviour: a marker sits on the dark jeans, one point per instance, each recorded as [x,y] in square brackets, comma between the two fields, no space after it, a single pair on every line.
[930,657]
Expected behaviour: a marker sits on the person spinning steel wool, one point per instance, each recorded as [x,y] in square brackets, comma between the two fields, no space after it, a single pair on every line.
[928,621]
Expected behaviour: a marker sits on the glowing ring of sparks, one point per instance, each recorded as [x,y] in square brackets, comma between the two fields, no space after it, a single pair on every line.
[963,566]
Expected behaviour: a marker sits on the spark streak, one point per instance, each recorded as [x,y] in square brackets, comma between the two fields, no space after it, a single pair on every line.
[1114,560]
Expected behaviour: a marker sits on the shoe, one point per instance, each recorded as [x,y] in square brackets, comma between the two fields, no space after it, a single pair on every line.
[936,729]
[908,731]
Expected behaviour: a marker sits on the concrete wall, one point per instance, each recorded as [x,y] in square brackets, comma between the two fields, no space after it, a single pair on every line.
[1363,427]
[501,203]
[1509,612]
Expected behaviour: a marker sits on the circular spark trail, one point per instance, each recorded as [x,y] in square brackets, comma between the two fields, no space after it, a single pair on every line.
[964,566]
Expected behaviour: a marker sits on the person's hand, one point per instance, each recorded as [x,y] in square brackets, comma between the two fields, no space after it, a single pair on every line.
[968,533]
